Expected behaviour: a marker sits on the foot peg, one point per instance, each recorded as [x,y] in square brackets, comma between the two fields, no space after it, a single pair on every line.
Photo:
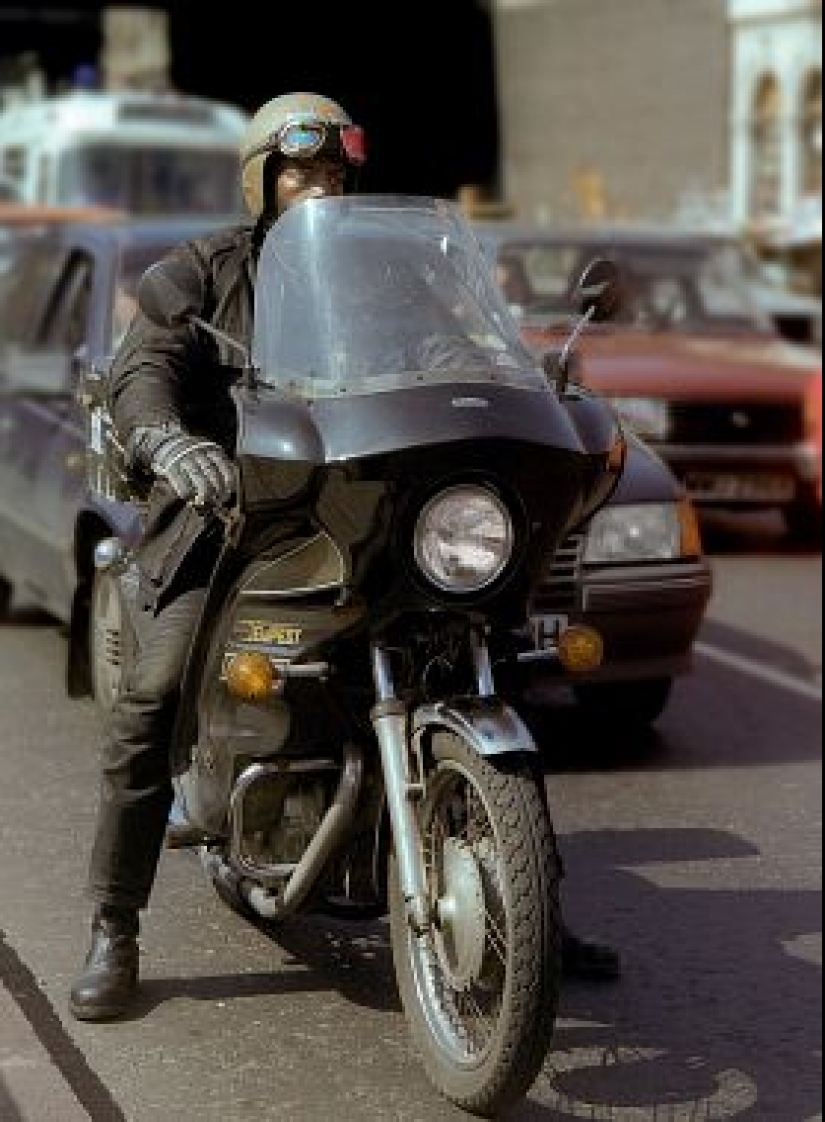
[180,835]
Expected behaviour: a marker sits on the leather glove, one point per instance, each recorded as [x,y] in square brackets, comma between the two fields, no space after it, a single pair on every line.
[197,470]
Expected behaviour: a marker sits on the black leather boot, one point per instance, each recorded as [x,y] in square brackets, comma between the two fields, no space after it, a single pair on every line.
[108,985]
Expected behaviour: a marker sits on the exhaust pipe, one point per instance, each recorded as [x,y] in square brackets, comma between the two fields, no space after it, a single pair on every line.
[331,833]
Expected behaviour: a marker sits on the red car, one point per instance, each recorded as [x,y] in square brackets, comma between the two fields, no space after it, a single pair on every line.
[691,364]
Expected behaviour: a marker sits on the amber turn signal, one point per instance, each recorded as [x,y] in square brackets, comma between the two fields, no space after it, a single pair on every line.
[250,677]
[581,649]
[690,529]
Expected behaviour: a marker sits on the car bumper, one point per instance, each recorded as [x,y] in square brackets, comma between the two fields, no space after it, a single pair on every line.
[648,617]
[747,476]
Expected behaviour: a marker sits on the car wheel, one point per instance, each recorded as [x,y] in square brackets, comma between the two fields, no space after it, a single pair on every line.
[106,640]
[624,703]
[6,593]
[804,522]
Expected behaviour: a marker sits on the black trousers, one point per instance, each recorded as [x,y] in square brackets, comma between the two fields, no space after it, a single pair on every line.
[136,785]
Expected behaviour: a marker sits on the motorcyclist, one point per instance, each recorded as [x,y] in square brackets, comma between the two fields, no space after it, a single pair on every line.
[170,403]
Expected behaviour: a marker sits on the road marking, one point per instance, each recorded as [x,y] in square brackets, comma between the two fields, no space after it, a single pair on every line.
[735,1092]
[759,670]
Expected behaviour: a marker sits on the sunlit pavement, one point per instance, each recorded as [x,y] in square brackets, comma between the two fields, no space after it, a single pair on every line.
[696,850]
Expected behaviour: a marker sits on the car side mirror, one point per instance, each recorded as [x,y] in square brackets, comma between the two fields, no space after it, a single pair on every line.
[598,294]
[41,372]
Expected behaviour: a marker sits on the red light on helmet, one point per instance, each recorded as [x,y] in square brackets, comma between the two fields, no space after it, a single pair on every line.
[354,144]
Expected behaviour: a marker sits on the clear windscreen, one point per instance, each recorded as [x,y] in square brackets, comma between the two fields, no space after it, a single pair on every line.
[370,293]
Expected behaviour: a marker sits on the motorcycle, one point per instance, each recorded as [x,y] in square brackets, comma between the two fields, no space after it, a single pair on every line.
[406,468]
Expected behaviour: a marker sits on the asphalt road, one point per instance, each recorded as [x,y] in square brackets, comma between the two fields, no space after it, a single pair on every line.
[697,851]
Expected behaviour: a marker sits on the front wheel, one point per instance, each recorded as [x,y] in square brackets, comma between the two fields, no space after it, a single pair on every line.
[6,593]
[624,704]
[480,990]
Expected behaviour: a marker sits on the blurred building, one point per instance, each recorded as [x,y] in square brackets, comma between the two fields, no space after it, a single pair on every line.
[135,52]
[776,118]
[653,109]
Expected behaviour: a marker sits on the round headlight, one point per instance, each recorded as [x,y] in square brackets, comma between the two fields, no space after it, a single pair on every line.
[464,539]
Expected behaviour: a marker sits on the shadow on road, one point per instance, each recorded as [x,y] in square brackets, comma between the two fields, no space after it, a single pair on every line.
[9,1111]
[720,1006]
[718,1014]
[352,959]
[26,617]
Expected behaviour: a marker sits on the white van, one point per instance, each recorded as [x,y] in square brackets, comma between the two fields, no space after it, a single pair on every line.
[144,153]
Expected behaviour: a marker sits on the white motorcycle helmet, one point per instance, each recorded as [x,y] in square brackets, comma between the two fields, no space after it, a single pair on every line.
[297,126]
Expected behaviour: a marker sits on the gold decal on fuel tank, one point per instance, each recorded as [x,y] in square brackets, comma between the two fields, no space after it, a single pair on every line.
[264,631]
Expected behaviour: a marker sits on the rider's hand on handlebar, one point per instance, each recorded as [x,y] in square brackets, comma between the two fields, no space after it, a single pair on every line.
[197,470]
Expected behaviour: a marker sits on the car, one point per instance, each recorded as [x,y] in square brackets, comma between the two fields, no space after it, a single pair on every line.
[636,572]
[66,300]
[692,364]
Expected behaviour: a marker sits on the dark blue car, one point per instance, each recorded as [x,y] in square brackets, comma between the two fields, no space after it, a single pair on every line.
[637,572]
[66,299]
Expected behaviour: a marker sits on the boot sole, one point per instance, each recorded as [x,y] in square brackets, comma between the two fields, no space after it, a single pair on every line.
[98,1014]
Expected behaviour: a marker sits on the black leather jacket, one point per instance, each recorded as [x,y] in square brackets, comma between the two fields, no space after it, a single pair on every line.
[183,376]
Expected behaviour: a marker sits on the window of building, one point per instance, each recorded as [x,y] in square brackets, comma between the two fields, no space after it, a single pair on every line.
[810,125]
[766,160]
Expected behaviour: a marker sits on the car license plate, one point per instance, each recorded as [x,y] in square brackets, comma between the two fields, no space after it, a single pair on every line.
[738,487]
[547,630]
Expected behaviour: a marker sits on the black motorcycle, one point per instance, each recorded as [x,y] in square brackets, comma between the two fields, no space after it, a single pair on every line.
[406,469]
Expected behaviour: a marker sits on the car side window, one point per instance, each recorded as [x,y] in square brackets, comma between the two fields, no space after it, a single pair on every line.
[28,292]
[66,321]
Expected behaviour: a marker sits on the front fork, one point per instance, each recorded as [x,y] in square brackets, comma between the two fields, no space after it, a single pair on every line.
[404,788]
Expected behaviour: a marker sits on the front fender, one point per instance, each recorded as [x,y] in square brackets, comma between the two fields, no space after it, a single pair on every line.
[487,724]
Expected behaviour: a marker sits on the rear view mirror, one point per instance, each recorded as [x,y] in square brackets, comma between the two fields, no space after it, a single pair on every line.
[37,373]
[598,293]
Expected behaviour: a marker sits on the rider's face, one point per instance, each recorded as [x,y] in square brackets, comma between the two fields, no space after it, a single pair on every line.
[308,179]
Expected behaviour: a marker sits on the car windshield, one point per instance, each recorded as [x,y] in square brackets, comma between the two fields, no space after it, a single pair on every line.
[369,293]
[151,180]
[690,287]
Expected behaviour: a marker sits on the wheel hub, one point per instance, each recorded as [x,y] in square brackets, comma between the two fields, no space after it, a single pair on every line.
[461,916]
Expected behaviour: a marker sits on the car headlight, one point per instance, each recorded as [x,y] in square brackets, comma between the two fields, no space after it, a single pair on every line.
[648,417]
[647,532]
[464,539]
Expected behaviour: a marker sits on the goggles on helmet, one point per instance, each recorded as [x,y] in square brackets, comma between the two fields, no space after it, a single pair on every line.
[304,140]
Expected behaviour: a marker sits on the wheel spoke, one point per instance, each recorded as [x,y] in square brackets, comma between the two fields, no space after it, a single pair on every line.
[468,1009]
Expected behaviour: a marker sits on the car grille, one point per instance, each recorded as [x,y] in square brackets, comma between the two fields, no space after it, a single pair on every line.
[745,423]
[560,589]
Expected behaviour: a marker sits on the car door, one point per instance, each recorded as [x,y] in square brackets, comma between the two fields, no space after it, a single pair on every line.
[27,422]
[59,478]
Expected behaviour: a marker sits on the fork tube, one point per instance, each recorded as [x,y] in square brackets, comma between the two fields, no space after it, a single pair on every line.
[483,665]
[390,721]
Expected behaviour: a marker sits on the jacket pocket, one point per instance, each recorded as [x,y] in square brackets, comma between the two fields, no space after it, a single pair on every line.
[173,530]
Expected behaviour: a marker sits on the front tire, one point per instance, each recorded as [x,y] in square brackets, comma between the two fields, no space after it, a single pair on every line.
[480,990]
[6,595]
[803,522]
[624,704]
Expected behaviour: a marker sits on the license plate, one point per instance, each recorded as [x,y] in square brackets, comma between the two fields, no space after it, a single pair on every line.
[547,630]
[740,487]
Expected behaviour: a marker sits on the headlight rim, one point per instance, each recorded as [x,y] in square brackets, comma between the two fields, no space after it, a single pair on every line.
[429,579]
